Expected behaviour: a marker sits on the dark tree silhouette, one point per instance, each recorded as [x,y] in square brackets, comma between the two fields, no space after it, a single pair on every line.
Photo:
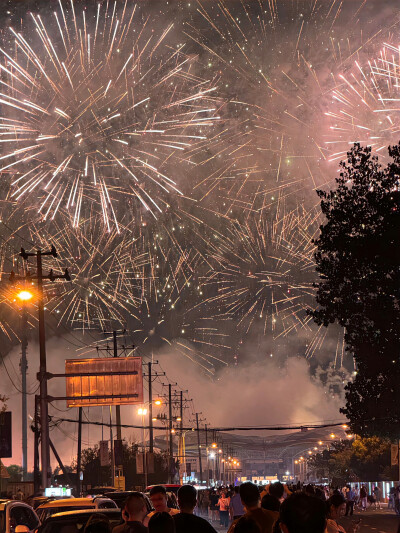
[358,260]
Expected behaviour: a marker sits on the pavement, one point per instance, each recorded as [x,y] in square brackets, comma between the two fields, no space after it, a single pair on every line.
[372,521]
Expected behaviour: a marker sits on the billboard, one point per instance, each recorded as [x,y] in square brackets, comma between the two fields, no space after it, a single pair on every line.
[104,381]
[5,434]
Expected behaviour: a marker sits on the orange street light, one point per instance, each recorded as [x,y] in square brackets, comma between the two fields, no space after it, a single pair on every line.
[24,295]
[345,426]
[142,411]
[332,435]
[309,452]
[320,442]
[214,445]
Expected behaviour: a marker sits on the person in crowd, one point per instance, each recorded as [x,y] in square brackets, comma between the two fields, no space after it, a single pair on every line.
[301,513]
[223,505]
[205,502]
[377,494]
[98,523]
[19,495]
[250,497]
[335,509]
[350,499]
[264,492]
[247,525]
[391,497]
[161,523]
[271,503]
[214,505]
[134,511]
[236,508]
[186,521]
[363,498]
[158,497]
[277,489]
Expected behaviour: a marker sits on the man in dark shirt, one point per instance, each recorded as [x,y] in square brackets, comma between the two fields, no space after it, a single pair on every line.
[250,497]
[133,513]
[186,521]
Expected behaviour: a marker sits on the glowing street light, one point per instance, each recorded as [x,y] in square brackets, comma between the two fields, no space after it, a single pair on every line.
[214,445]
[158,402]
[142,411]
[24,295]
[332,435]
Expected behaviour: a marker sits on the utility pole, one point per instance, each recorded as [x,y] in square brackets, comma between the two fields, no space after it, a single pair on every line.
[151,433]
[199,447]
[171,451]
[115,469]
[36,431]
[208,461]
[78,460]
[42,375]
[150,376]
[24,368]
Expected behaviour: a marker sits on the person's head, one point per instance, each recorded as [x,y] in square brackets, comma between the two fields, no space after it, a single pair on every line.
[310,489]
[277,489]
[158,497]
[249,495]
[187,498]
[336,506]
[135,507]
[301,513]
[161,523]
[247,525]
[236,489]
[270,503]
[98,523]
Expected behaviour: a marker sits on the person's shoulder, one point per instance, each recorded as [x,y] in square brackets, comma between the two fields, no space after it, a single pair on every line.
[174,512]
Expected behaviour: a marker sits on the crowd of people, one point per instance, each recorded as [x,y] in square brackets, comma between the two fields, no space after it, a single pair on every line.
[243,509]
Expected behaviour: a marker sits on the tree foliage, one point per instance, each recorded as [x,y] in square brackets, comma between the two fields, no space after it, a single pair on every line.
[358,260]
[364,459]
[96,475]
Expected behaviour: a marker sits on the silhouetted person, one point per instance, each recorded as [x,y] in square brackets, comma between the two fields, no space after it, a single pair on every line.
[186,521]
[301,513]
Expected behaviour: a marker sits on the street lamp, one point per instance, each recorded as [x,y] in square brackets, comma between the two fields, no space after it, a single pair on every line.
[24,296]
[142,411]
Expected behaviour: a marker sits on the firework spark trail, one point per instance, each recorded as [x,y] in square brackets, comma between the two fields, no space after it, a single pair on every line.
[103,117]
[264,272]
[364,106]
[104,268]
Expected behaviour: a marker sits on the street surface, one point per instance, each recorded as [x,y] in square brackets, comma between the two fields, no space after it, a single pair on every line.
[379,521]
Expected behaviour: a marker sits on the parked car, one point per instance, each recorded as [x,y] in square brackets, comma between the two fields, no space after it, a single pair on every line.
[120,496]
[75,521]
[169,487]
[73,504]
[99,491]
[35,501]
[17,517]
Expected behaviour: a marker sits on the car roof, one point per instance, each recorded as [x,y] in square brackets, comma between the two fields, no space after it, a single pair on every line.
[83,512]
[67,502]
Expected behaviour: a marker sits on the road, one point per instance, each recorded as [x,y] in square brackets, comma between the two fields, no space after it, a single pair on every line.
[375,521]
[379,521]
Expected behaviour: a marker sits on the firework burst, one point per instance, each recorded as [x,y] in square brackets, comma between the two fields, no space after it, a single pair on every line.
[265,272]
[365,106]
[104,268]
[98,114]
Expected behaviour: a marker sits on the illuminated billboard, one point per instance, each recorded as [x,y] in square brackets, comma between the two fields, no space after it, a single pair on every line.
[104,381]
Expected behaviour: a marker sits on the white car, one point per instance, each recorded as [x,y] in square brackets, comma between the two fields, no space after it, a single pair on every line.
[17,517]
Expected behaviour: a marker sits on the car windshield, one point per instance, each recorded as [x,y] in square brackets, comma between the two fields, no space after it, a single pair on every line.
[53,510]
[74,524]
